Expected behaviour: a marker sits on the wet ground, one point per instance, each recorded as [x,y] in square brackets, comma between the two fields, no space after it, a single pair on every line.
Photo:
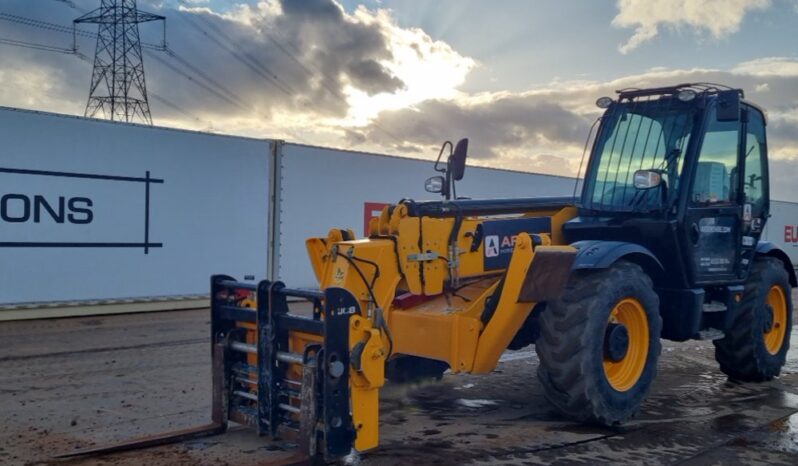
[68,383]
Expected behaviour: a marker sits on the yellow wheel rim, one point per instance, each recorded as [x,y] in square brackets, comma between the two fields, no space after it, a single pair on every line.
[774,336]
[624,374]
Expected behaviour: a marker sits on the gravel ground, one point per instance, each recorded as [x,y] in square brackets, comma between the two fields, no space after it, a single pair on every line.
[69,383]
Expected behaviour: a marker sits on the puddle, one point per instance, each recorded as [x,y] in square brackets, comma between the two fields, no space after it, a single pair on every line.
[732,423]
[476,404]
[783,435]
[779,436]
[791,366]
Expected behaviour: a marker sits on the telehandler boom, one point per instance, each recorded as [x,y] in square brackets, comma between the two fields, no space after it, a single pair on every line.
[664,242]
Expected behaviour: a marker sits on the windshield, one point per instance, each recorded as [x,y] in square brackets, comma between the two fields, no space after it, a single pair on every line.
[641,135]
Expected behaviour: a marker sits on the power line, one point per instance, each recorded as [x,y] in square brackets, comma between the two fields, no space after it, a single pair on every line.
[274,78]
[35,46]
[211,85]
[62,29]
[160,98]
[50,48]
[233,98]
[195,81]
[171,52]
[221,91]
[118,85]
[226,94]
[46,25]
[253,65]
[72,5]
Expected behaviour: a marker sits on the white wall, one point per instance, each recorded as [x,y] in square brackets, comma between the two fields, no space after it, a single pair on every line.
[327,188]
[209,214]
[782,228]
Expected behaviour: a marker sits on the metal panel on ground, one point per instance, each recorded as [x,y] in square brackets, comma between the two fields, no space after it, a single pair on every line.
[93,210]
[323,188]
[782,228]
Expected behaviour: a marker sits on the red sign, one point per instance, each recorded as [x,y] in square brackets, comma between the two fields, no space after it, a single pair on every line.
[791,234]
[371,210]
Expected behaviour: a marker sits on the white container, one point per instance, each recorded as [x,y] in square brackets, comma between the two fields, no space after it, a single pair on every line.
[82,221]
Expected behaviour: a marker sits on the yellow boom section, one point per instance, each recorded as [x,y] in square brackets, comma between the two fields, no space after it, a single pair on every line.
[426,291]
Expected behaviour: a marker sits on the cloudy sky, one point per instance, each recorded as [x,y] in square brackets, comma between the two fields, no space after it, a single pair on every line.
[518,77]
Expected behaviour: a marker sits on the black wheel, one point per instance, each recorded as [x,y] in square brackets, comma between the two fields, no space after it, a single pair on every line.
[599,344]
[755,347]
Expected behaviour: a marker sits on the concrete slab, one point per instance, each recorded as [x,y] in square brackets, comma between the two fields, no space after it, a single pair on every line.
[71,383]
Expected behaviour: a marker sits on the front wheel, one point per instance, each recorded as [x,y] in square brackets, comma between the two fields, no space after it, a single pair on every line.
[600,343]
[755,346]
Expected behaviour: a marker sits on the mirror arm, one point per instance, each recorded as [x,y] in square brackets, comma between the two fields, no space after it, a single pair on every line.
[438,160]
[447,186]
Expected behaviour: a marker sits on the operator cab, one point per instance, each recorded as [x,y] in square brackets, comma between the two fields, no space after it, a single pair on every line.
[682,171]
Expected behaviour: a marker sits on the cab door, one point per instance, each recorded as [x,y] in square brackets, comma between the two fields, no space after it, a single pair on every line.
[756,189]
[714,206]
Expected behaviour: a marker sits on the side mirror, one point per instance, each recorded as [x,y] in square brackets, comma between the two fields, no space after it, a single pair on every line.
[435,184]
[728,106]
[647,179]
[458,159]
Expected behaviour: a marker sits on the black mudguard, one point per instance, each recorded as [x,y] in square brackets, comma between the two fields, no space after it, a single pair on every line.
[602,254]
[766,248]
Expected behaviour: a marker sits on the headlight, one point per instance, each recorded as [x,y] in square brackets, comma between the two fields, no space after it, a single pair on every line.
[604,102]
[686,95]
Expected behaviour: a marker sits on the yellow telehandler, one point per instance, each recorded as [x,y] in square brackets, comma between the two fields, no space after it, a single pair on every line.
[664,242]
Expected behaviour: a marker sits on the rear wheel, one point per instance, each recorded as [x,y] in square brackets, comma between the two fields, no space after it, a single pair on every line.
[755,347]
[600,344]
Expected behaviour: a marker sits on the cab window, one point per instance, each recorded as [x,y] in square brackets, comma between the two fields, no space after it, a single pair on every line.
[716,173]
[755,185]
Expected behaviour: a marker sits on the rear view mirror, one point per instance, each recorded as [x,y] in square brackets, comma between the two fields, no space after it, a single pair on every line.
[434,184]
[647,179]
[728,106]
[458,159]
[452,171]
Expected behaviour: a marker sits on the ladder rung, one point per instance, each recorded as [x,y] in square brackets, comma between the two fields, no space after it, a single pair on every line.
[289,358]
[244,347]
[289,408]
[247,395]
[246,381]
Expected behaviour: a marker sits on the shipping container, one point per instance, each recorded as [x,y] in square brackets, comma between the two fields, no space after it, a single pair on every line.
[97,212]
[321,188]
[782,228]
[94,211]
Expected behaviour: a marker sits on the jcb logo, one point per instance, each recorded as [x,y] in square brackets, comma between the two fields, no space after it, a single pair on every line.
[791,234]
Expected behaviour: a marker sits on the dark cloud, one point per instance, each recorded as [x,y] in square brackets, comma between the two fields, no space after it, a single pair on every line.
[336,46]
[297,61]
[520,130]
[492,126]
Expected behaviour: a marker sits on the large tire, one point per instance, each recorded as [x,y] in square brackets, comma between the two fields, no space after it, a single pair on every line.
[582,377]
[755,346]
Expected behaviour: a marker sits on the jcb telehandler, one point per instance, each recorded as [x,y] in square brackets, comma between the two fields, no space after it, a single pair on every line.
[663,243]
